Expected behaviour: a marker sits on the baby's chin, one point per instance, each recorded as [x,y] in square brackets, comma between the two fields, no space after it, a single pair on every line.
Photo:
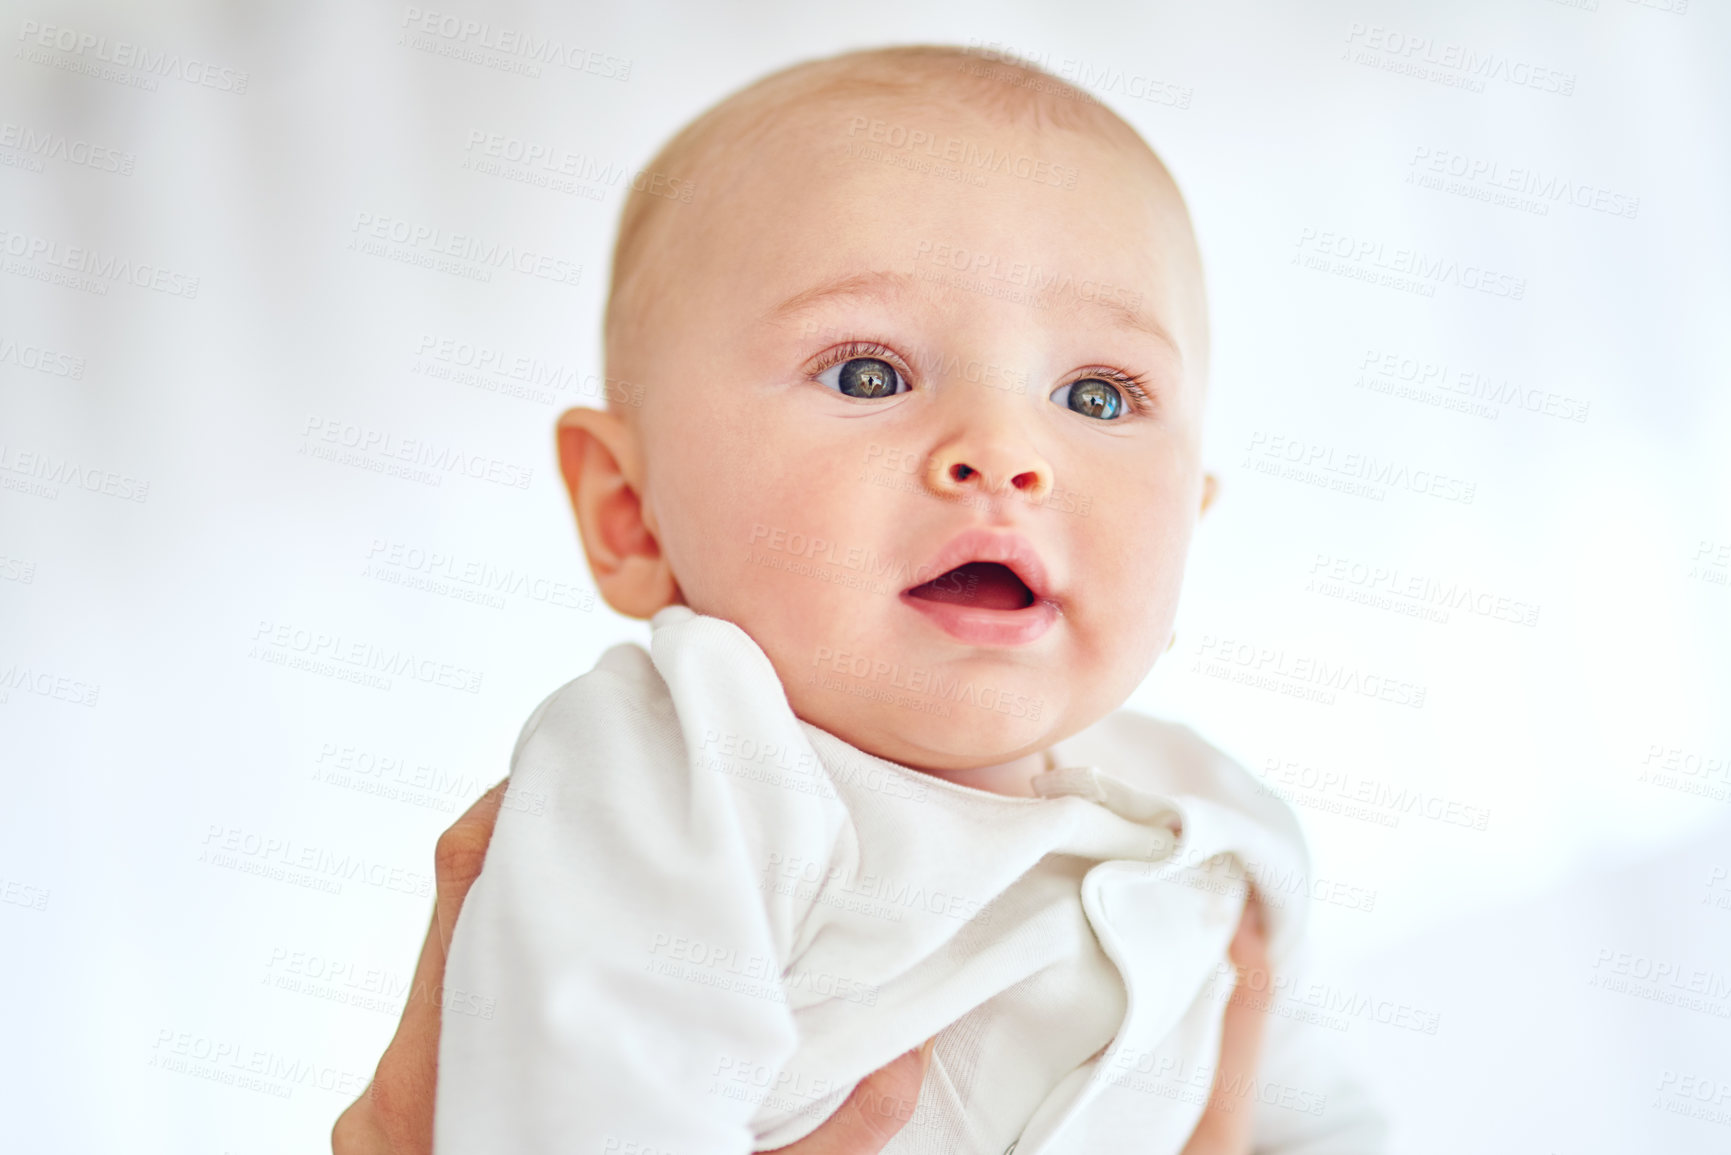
[935,733]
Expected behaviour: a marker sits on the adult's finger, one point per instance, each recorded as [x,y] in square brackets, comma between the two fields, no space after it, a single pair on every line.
[1225,1126]
[1246,1018]
[394,1115]
[457,860]
[1249,946]
[385,1119]
[869,1118]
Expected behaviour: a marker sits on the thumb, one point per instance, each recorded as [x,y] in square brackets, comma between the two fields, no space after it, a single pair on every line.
[869,1118]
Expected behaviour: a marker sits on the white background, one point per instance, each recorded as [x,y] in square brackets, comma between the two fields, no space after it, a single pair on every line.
[145,969]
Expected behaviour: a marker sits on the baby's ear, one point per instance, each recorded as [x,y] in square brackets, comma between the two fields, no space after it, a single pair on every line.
[1210,487]
[601,459]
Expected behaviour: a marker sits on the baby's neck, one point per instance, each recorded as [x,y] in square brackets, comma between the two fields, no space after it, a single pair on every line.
[1012,778]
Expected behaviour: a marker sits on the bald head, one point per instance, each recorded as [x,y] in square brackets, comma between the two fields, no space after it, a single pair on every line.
[917,111]
[917,296]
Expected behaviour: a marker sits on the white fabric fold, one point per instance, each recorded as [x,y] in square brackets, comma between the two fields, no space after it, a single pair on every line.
[702,921]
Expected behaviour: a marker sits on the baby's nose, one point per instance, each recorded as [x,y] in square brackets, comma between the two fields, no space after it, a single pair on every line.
[957,470]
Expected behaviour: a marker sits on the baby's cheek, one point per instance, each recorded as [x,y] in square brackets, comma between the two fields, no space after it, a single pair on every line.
[1133,598]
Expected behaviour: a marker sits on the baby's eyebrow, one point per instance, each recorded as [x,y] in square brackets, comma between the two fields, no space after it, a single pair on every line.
[881,286]
[1138,319]
[888,286]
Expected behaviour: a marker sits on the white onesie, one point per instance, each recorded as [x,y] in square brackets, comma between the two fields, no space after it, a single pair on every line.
[702,921]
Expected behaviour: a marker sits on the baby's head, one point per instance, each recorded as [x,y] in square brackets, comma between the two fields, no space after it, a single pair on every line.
[924,362]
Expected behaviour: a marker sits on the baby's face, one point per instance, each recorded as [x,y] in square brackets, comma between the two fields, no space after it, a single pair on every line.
[951,505]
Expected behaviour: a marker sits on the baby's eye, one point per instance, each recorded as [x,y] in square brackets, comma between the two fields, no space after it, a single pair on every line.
[1091,397]
[863,377]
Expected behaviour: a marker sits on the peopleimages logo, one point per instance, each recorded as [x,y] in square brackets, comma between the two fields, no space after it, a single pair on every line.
[1042,282]
[1447,62]
[46,145]
[329,438]
[871,675]
[1305,676]
[46,467]
[425,245]
[87,52]
[1357,474]
[44,254]
[1096,78]
[46,684]
[460,37]
[581,168]
[963,152]
[1540,188]
[1400,267]
[354,659]
[42,360]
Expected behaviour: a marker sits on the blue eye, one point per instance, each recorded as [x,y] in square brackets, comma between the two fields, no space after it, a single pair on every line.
[863,377]
[1091,397]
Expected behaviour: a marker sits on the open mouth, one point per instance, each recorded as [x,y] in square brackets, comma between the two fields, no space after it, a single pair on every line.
[992,589]
[986,585]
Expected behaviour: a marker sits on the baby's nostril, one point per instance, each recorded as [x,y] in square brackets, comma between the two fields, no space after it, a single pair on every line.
[961,472]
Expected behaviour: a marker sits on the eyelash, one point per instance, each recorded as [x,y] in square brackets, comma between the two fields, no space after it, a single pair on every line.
[1135,386]
[851,350]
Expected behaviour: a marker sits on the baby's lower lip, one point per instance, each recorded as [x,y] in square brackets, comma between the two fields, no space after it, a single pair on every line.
[984,627]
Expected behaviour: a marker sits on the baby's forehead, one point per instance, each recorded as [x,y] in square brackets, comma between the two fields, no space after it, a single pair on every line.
[951,182]
[938,135]
[932,173]
[953,196]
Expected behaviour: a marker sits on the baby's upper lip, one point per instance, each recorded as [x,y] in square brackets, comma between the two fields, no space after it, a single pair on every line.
[1011,550]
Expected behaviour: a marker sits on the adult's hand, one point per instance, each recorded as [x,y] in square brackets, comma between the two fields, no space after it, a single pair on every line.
[394,1115]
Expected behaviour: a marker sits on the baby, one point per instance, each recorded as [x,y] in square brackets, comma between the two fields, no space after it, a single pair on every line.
[907,503]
